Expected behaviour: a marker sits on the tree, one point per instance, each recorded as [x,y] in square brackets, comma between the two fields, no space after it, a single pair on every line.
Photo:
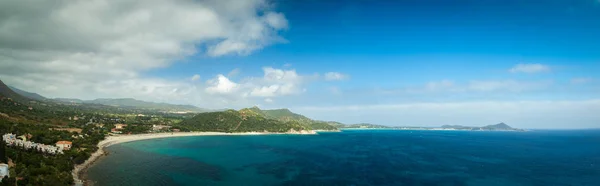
[3,152]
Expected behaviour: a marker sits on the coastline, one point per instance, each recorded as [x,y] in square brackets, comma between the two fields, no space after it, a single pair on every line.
[80,170]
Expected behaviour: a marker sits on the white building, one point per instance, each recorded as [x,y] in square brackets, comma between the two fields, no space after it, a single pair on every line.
[12,141]
[4,171]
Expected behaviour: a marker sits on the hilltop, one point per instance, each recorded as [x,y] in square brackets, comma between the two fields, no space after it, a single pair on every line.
[238,121]
[499,126]
[285,115]
[125,103]
[253,120]
[130,102]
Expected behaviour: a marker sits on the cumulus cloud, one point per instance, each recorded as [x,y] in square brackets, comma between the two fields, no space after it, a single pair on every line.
[96,48]
[335,76]
[221,85]
[277,82]
[195,77]
[529,68]
[274,83]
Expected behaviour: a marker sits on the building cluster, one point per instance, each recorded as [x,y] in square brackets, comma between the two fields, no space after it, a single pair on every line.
[160,127]
[14,141]
[118,128]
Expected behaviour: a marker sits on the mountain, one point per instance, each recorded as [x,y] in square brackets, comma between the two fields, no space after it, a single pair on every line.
[5,91]
[30,95]
[68,100]
[130,102]
[499,126]
[238,121]
[365,125]
[285,115]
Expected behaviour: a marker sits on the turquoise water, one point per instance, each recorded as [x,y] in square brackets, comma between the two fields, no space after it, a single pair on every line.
[365,157]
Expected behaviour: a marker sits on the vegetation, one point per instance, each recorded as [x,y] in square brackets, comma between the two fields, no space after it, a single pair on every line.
[49,120]
[285,115]
[3,152]
[499,126]
[237,121]
[39,120]
[36,168]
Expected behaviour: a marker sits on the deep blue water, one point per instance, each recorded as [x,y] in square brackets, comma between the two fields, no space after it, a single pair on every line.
[365,157]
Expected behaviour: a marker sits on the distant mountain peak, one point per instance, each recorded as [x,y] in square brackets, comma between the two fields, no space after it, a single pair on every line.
[501,125]
[30,95]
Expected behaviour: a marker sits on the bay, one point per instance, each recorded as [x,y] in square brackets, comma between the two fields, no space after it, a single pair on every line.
[359,157]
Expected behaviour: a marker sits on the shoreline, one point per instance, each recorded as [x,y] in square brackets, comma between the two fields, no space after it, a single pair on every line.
[80,170]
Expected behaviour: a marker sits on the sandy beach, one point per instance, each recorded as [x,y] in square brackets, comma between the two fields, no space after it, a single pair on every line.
[111,140]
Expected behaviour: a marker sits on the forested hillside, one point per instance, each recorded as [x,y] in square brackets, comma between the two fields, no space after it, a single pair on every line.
[238,121]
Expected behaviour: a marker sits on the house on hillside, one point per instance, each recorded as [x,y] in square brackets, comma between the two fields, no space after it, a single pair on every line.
[64,145]
[115,131]
[120,126]
[160,127]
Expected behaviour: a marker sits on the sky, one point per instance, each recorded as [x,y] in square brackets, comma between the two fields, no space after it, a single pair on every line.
[527,63]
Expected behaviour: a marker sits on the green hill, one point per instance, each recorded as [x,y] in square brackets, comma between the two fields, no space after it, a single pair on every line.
[285,115]
[238,121]
[499,126]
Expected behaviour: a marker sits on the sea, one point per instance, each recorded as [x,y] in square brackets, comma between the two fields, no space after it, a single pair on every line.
[358,157]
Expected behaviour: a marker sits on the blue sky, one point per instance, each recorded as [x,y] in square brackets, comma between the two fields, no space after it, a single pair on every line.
[531,64]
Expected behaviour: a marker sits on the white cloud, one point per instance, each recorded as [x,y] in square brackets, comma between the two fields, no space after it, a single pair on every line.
[274,83]
[195,77]
[439,85]
[475,86]
[522,114]
[269,100]
[580,80]
[277,82]
[529,68]
[276,20]
[98,48]
[265,91]
[507,85]
[221,85]
[335,76]
[234,72]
